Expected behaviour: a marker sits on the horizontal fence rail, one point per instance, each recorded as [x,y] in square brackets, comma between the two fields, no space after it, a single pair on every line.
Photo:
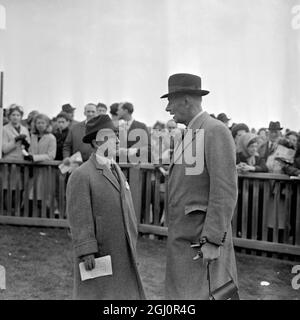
[266,218]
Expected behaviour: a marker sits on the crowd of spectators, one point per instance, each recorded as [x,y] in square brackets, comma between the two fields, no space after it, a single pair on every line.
[39,138]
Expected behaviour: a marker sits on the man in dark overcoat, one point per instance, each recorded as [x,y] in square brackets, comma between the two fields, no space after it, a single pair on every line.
[102,219]
[202,196]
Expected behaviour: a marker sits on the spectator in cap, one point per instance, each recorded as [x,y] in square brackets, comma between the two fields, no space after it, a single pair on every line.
[270,146]
[102,219]
[101,108]
[73,142]
[67,108]
[237,131]
[223,117]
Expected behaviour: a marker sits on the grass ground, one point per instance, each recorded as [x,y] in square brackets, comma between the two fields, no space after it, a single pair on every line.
[38,264]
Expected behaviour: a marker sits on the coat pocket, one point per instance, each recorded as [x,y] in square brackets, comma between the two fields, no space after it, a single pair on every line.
[197,207]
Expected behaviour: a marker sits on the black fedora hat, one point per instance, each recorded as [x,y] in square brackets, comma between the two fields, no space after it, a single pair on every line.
[223,117]
[275,126]
[67,108]
[184,83]
[94,125]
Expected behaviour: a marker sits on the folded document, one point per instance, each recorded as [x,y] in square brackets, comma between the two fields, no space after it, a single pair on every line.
[102,268]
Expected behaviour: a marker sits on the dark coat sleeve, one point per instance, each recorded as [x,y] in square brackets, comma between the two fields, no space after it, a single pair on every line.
[67,147]
[260,165]
[220,158]
[80,216]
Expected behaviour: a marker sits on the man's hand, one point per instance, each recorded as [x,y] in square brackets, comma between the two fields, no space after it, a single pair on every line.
[89,262]
[67,161]
[210,252]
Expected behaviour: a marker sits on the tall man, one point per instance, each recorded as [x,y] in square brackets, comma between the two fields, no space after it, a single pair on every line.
[102,219]
[201,200]
[73,142]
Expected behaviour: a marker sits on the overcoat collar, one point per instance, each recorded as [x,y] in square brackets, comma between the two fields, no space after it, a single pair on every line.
[197,124]
[105,171]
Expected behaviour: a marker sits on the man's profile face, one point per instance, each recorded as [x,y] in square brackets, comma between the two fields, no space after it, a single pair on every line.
[177,108]
[90,111]
[121,112]
[107,143]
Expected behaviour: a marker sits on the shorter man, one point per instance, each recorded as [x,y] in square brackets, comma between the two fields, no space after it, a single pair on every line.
[102,219]
[101,108]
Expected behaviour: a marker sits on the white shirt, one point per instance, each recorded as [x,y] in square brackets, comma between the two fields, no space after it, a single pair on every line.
[128,124]
[104,161]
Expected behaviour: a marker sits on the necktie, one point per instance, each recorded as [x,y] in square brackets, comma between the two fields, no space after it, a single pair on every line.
[114,171]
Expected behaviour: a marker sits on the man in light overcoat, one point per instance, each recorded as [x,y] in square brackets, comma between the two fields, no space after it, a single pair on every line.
[102,219]
[202,196]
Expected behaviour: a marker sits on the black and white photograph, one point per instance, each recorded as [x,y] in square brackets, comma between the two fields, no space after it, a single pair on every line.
[149,152]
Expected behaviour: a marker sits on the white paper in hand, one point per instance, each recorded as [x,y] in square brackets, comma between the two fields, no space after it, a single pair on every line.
[102,268]
[2,278]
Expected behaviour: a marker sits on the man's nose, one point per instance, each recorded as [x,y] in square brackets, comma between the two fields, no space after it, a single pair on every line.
[168,108]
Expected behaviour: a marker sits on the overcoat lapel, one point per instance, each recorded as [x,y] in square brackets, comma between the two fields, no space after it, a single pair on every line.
[181,147]
[106,172]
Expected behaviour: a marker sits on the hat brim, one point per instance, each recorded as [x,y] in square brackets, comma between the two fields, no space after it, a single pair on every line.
[89,137]
[198,92]
[275,129]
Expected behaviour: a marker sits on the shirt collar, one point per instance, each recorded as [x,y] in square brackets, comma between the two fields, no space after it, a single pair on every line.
[194,119]
[104,161]
[129,123]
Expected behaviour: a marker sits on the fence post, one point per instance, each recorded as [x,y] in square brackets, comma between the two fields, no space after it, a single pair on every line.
[136,190]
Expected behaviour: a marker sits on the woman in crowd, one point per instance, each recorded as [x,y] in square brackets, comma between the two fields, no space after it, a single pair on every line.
[237,131]
[15,141]
[262,136]
[247,157]
[15,136]
[293,169]
[292,138]
[42,148]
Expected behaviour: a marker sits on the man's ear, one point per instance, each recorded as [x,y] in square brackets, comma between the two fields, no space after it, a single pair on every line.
[94,144]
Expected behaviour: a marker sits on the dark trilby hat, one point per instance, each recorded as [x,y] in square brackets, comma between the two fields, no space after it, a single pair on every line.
[185,83]
[94,125]
[223,117]
[67,108]
[275,126]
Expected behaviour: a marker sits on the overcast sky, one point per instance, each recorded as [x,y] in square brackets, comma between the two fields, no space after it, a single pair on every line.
[80,51]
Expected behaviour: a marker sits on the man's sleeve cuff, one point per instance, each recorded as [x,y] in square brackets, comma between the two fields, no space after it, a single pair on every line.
[216,240]
[85,248]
